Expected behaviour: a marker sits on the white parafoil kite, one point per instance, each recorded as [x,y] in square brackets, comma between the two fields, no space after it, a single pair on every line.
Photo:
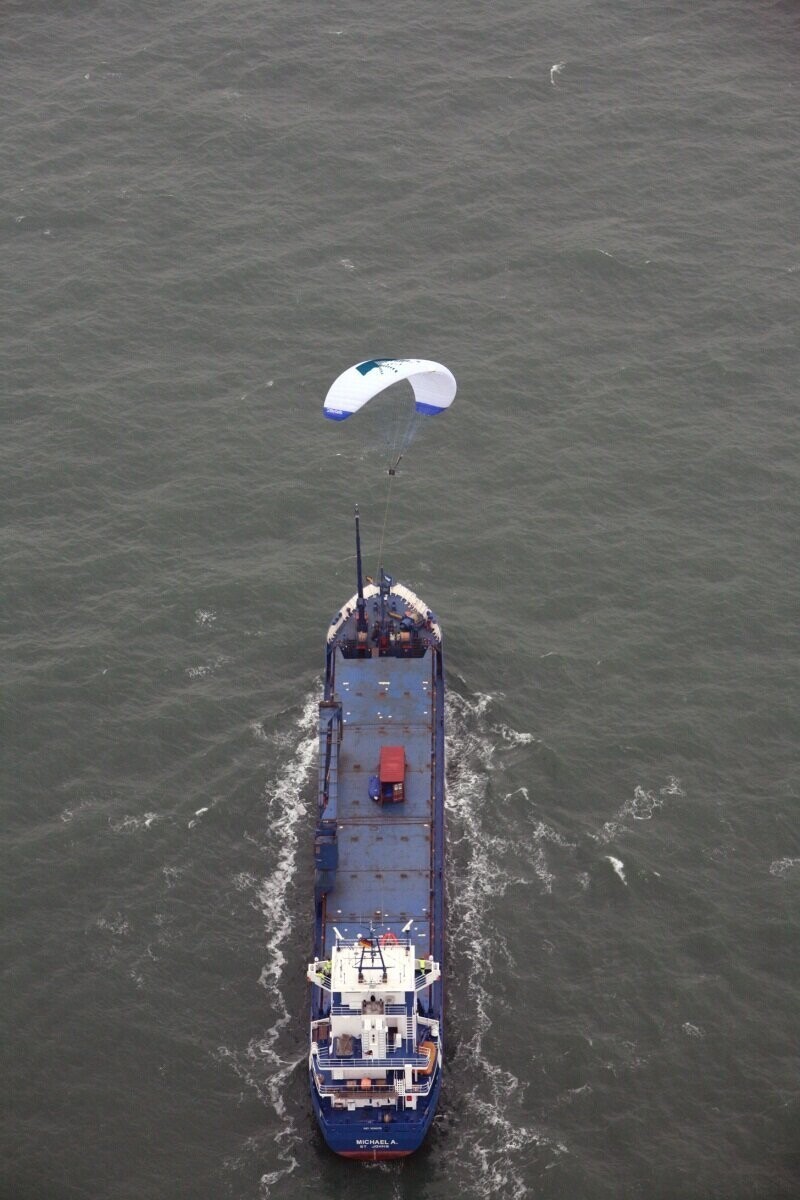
[434,386]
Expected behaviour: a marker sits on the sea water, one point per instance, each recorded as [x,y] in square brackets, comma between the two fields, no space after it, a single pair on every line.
[589,212]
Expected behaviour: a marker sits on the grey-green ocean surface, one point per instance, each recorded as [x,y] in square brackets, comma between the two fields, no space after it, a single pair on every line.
[589,211]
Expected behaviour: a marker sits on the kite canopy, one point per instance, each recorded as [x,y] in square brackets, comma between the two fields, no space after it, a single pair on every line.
[434,386]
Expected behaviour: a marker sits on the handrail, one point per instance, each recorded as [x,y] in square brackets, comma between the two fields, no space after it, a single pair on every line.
[424,979]
[328,1061]
[355,943]
[381,1090]
[390,1010]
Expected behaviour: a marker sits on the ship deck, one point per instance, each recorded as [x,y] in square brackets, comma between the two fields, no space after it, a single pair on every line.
[385,871]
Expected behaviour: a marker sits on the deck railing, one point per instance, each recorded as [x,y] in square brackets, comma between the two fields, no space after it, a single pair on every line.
[353,1091]
[390,1010]
[396,1062]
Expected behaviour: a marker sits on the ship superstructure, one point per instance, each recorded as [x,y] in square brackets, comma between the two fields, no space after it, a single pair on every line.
[376,1036]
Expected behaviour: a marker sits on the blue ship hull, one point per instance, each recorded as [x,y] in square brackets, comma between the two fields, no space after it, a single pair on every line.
[377,1034]
[372,1140]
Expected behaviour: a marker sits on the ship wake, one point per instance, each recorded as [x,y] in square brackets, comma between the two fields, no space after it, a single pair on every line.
[268,1062]
[287,816]
[492,1141]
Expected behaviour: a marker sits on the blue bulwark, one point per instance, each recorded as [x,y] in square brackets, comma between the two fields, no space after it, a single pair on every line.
[326,847]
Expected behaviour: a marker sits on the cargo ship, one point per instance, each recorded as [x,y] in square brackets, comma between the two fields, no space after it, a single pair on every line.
[376,1030]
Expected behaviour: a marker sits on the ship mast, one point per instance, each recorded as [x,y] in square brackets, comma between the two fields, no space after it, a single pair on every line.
[361,619]
[385,588]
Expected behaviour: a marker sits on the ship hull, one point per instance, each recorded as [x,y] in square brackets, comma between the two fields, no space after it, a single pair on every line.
[381,864]
[370,1140]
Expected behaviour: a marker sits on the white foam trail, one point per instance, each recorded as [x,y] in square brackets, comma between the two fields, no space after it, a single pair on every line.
[132,824]
[69,813]
[493,1147]
[513,736]
[571,1094]
[640,807]
[543,833]
[555,71]
[117,925]
[782,866]
[286,811]
[249,1068]
[245,881]
[286,816]
[206,668]
[693,1031]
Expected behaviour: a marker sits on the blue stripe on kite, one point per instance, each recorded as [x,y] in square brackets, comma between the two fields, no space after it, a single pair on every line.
[430,410]
[336,414]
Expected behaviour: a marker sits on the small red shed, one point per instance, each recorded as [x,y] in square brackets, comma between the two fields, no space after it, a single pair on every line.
[392,773]
[393,764]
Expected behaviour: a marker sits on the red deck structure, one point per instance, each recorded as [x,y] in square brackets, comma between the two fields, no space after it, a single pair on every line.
[392,774]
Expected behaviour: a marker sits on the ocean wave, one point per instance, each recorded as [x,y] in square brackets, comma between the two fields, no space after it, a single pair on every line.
[200,812]
[618,867]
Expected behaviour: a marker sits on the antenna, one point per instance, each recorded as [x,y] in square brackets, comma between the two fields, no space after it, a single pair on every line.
[371,946]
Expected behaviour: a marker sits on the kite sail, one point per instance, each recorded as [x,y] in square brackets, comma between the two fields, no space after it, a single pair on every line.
[433,385]
[393,416]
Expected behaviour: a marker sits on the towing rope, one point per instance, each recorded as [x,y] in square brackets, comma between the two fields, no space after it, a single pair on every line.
[385,519]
